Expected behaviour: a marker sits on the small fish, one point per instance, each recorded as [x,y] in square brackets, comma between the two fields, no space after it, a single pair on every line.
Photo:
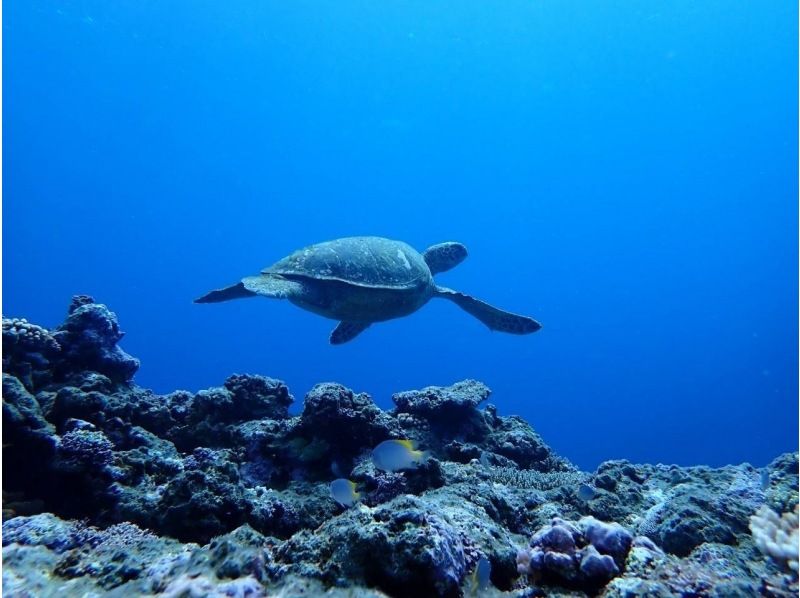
[479,579]
[484,460]
[586,492]
[396,455]
[344,492]
[765,478]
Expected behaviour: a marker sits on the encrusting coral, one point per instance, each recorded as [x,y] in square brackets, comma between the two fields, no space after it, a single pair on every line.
[585,553]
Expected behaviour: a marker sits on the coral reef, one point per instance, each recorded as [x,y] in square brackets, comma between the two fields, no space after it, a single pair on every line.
[111,489]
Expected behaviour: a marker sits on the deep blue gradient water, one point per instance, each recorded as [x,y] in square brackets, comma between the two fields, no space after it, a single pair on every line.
[624,172]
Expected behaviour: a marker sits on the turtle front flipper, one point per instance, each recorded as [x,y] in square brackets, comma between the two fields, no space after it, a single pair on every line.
[444,256]
[495,319]
[347,331]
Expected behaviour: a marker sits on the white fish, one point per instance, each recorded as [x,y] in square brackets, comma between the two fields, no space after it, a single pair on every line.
[586,492]
[479,580]
[344,492]
[396,455]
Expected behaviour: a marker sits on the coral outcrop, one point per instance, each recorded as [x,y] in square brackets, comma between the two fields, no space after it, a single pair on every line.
[111,489]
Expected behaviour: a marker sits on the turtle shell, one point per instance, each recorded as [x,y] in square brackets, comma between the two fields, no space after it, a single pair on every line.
[362,261]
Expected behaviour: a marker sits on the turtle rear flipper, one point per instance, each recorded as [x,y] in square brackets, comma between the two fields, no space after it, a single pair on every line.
[444,256]
[236,291]
[495,319]
[251,286]
[347,331]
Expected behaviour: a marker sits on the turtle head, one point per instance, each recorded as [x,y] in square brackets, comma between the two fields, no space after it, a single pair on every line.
[444,256]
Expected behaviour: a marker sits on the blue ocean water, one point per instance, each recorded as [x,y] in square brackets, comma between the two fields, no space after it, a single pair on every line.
[626,173]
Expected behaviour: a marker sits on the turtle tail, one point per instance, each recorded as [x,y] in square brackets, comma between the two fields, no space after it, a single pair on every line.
[495,319]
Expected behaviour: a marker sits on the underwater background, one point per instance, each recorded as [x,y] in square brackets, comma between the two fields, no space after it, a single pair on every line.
[624,173]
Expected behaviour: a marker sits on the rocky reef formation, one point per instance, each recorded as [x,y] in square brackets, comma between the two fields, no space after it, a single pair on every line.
[110,489]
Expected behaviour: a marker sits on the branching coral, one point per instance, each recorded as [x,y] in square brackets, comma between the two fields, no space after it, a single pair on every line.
[777,535]
[532,479]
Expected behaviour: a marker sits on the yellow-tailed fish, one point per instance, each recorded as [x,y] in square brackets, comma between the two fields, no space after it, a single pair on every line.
[344,492]
[479,580]
[396,455]
[586,492]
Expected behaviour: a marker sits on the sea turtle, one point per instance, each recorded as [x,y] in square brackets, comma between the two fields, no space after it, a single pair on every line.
[361,280]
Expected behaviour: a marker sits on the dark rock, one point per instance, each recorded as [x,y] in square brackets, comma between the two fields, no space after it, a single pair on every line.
[781,482]
[79,301]
[238,554]
[165,416]
[257,397]
[268,459]
[512,437]
[461,452]
[205,499]
[338,424]
[29,445]
[381,486]
[444,403]
[22,414]
[680,508]
[73,403]
[83,450]
[420,551]
[445,419]
[88,341]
